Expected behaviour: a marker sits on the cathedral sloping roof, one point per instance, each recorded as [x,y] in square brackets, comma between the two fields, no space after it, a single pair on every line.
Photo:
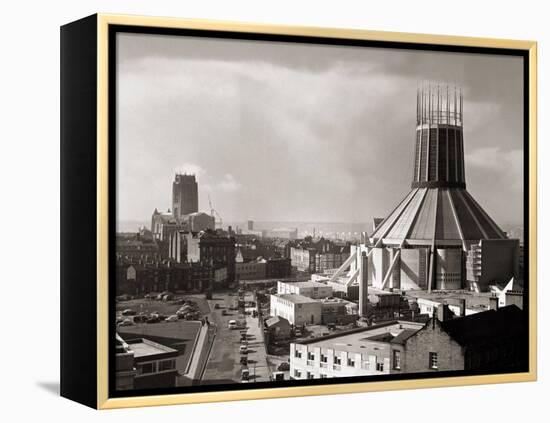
[440,215]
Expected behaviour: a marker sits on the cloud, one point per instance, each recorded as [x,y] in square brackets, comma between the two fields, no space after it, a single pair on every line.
[495,159]
[279,131]
[228,184]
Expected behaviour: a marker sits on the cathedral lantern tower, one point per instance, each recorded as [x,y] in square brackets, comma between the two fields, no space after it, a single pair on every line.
[439,142]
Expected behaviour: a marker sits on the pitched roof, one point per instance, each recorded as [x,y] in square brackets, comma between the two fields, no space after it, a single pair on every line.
[276,320]
[403,336]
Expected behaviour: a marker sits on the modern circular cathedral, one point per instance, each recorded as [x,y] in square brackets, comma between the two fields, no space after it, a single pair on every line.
[438,236]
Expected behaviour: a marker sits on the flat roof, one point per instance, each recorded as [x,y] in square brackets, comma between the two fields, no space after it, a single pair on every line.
[355,339]
[473,299]
[180,335]
[296,298]
[307,284]
[144,348]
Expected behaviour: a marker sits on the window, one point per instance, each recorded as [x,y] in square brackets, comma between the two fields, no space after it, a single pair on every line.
[324,358]
[380,367]
[337,360]
[433,360]
[311,356]
[298,354]
[147,368]
[351,362]
[167,365]
[297,373]
[310,375]
[323,376]
[396,359]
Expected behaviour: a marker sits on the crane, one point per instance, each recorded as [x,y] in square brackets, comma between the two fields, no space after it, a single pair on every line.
[214,213]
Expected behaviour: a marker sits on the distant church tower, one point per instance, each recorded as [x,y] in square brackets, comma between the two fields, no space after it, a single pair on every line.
[185,197]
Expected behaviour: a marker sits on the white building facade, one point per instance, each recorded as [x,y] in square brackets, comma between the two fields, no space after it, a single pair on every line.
[297,309]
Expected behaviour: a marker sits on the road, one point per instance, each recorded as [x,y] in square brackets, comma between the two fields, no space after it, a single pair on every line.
[224,364]
[257,355]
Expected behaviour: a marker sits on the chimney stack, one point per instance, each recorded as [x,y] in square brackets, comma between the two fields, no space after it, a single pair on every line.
[493,303]
[363,285]
[443,312]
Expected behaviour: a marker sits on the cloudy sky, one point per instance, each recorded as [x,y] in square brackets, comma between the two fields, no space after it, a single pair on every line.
[295,132]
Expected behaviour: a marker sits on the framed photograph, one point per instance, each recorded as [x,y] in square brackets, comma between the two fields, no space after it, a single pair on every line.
[256,211]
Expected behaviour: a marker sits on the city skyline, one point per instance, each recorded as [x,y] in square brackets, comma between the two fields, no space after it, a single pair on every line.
[312,168]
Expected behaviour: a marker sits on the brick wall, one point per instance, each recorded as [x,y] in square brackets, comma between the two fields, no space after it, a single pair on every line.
[432,339]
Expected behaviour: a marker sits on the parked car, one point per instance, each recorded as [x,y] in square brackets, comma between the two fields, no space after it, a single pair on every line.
[243,349]
[192,316]
[244,360]
[153,319]
[172,318]
[245,375]
[141,318]
[126,322]
[129,312]
[124,297]
[283,367]
[232,324]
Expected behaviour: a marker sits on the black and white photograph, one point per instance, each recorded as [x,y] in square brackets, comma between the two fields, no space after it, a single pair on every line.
[293,213]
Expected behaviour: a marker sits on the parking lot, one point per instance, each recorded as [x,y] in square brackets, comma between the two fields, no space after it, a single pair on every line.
[181,334]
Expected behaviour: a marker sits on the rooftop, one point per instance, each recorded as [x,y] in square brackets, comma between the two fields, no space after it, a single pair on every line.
[473,299]
[296,298]
[306,284]
[275,320]
[355,339]
[143,348]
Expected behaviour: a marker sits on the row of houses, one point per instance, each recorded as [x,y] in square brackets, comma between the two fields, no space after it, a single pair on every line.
[318,255]
[138,278]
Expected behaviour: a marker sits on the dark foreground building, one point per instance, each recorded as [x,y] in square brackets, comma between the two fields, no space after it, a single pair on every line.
[491,341]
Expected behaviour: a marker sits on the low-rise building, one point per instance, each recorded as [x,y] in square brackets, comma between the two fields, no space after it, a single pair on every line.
[153,364]
[340,286]
[250,270]
[297,309]
[278,328]
[209,248]
[125,372]
[138,278]
[337,310]
[278,268]
[363,351]
[306,288]
[318,256]
[491,341]
[461,303]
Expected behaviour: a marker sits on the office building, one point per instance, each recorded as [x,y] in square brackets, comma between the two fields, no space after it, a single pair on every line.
[297,309]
